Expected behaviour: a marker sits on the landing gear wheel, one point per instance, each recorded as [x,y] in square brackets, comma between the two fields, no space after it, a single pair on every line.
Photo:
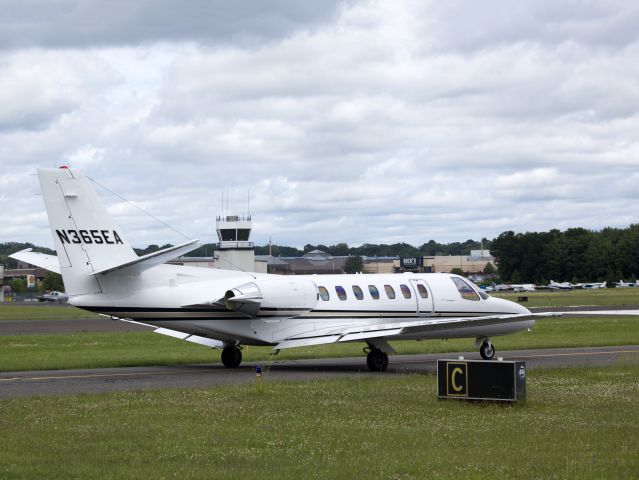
[232,357]
[487,351]
[377,360]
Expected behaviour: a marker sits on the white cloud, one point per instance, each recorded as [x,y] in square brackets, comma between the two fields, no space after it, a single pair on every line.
[369,122]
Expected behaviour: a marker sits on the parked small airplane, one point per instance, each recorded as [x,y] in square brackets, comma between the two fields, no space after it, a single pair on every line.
[226,309]
[522,287]
[498,288]
[525,287]
[622,284]
[560,286]
[53,296]
[591,285]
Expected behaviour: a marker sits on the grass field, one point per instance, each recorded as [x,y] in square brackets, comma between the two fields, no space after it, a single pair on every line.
[92,350]
[576,423]
[19,311]
[601,297]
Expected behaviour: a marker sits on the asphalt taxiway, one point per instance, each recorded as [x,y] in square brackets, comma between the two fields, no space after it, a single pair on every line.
[65,326]
[60,382]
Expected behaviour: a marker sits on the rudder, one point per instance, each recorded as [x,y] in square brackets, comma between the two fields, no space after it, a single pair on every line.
[86,238]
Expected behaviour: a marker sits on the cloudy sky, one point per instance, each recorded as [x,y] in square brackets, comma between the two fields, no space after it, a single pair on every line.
[348,121]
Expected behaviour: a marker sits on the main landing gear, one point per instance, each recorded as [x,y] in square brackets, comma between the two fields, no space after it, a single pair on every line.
[232,356]
[487,350]
[376,359]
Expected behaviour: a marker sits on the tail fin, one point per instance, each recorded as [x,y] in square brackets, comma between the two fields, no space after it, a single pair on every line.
[85,236]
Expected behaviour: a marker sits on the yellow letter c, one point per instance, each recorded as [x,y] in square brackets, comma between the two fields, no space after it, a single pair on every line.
[456,371]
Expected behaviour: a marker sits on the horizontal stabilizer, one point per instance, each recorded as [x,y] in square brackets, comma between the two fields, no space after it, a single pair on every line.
[42,260]
[151,260]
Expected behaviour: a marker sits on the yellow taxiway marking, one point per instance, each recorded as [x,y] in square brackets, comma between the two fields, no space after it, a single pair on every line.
[98,375]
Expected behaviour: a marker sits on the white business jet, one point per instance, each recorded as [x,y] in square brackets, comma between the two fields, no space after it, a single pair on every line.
[622,284]
[226,309]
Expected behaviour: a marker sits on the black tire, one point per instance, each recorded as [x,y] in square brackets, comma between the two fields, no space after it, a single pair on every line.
[377,360]
[231,357]
[487,351]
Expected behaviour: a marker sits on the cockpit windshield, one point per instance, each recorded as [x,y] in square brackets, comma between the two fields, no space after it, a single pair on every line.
[466,290]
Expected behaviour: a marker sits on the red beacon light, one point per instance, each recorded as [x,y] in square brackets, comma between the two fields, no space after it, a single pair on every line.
[65,167]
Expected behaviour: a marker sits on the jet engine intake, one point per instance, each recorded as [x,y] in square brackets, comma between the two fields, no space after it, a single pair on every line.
[278,297]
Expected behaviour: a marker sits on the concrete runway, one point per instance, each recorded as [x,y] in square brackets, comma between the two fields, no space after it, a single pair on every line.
[59,382]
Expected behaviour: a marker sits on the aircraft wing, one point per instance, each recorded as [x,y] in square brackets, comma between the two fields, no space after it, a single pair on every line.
[394,329]
[207,342]
[42,260]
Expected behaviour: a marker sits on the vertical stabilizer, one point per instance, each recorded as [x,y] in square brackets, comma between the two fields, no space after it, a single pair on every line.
[85,237]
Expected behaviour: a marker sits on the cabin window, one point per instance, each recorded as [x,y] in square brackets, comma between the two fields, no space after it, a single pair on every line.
[359,295]
[390,293]
[421,289]
[405,290]
[341,293]
[465,290]
[323,293]
[372,289]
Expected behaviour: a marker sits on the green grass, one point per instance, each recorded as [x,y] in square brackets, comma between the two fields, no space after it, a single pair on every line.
[93,350]
[576,423]
[600,297]
[16,311]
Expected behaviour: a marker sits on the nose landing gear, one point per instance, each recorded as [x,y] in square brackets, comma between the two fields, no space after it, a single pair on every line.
[487,350]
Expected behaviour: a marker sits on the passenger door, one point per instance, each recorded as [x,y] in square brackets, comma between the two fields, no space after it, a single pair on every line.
[424,296]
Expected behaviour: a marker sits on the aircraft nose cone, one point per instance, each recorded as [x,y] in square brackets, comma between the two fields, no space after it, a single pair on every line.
[507,306]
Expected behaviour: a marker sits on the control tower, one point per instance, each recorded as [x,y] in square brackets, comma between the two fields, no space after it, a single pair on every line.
[235,252]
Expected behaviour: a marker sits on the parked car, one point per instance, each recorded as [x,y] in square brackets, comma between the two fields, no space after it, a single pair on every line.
[53,296]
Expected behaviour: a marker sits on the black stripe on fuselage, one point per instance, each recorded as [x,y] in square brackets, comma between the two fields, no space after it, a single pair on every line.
[220,313]
[153,309]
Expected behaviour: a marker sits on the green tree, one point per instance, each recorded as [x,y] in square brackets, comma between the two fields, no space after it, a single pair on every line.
[340,249]
[353,264]
[457,271]
[18,285]
[489,269]
[505,249]
[53,281]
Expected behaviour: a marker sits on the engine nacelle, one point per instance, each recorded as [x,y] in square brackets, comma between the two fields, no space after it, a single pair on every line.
[278,297]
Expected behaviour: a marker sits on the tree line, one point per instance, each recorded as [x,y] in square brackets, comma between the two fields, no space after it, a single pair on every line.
[429,248]
[575,255]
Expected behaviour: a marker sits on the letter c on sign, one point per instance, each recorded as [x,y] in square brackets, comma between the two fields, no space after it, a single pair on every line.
[455,372]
